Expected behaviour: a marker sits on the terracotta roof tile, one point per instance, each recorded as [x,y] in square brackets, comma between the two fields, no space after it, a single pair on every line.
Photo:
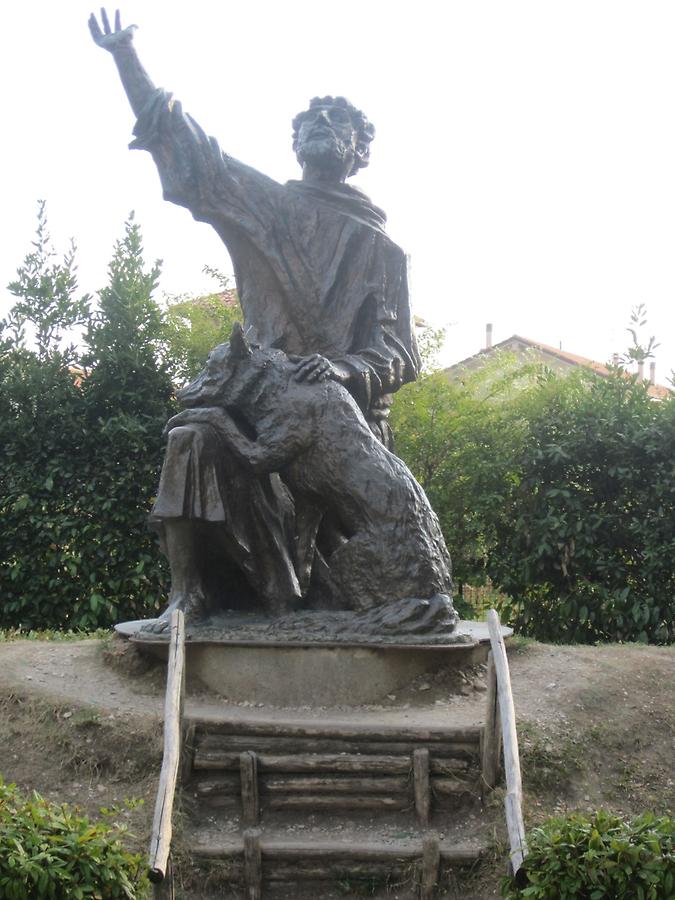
[658,391]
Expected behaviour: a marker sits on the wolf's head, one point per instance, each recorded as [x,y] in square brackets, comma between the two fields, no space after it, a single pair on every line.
[231,372]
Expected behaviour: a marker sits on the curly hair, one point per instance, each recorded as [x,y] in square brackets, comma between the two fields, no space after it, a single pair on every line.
[365,130]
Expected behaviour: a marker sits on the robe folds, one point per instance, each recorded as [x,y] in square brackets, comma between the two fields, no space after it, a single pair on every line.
[315,273]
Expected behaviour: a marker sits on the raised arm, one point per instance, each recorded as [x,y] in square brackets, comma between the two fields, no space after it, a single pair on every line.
[135,80]
[193,170]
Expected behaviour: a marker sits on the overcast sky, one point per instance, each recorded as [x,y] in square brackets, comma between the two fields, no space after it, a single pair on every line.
[525,151]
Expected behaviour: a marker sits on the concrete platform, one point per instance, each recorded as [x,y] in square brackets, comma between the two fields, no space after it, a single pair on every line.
[313,673]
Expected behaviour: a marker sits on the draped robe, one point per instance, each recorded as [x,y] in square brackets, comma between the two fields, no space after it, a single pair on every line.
[315,273]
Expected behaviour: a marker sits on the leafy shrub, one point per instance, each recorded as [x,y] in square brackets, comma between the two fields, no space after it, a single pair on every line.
[461,440]
[81,434]
[586,537]
[598,857]
[74,499]
[81,447]
[50,851]
[558,488]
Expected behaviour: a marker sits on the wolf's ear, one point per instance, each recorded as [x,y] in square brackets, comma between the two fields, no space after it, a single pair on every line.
[239,346]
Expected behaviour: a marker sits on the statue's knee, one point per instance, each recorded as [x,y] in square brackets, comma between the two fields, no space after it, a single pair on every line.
[187,437]
[180,439]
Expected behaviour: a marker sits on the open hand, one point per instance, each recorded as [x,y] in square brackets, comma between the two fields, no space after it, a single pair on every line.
[107,39]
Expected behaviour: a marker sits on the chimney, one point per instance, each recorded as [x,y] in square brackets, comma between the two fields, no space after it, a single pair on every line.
[641,370]
[652,372]
[488,336]
[615,359]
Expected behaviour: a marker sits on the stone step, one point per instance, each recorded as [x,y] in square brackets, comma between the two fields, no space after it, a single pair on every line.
[348,763]
[260,857]
[347,729]
[334,791]
[218,745]
[284,849]
[333,770]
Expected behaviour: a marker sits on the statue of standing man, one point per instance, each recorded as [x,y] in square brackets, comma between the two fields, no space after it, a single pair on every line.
[318,278]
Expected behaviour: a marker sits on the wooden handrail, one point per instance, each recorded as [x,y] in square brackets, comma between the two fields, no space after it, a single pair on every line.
[160,842]
[514,787]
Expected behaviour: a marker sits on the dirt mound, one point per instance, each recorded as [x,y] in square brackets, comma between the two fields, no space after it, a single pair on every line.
[80,722]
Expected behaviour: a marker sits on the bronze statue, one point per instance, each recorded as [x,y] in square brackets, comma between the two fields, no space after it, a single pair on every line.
[319,279]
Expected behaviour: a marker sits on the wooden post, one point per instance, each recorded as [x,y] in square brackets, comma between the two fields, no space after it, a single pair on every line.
[492,740]
[160,842]
[252,864]
[165,890]
[431,862]
[514,787]
[248,772]
[422,786]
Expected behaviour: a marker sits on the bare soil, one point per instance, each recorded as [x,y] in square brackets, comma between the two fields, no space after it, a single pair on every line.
[81,722]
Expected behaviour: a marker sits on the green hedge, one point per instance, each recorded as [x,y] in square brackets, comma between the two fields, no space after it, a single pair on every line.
[81,455]
[586,538]
[75,492]
[559,488]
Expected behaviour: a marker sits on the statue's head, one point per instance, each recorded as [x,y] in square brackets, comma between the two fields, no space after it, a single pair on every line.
[333,136]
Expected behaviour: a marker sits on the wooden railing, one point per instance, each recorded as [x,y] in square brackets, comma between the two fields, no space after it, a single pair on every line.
[500,729]
[161,870]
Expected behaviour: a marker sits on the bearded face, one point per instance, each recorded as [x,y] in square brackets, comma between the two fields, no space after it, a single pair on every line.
[327,140]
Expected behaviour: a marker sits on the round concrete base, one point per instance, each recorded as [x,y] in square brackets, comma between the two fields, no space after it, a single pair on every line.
[316,674]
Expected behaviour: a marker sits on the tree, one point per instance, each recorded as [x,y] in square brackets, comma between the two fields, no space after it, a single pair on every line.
[81,455]
[460,439]
[128,397]
[45,292]
[195,325]
[558,488]
[124,338]
[641,348]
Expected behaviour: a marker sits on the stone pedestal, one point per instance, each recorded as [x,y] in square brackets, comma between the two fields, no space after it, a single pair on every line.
[316,674]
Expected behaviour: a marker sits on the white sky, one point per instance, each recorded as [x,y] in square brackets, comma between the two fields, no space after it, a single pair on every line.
[525,151]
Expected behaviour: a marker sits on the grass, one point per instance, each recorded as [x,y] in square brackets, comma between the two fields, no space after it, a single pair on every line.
[18,634]
[549,763]
[78,741]
[518,643]
[76,755]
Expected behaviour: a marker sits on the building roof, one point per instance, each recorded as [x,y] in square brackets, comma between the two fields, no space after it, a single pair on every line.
[658,391]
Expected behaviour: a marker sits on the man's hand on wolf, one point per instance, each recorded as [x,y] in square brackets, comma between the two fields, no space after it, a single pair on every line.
[318,368]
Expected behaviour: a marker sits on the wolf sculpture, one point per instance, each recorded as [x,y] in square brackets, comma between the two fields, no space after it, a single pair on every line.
[314,435]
